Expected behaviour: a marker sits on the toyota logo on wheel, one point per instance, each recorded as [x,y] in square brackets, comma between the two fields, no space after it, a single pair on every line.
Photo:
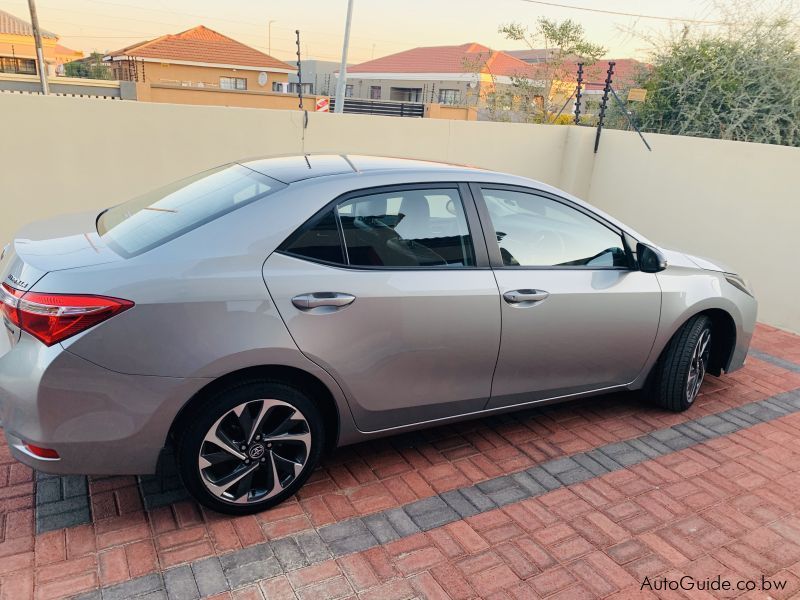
[256,451]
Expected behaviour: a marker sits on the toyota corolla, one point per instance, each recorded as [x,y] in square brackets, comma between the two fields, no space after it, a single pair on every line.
[259,314]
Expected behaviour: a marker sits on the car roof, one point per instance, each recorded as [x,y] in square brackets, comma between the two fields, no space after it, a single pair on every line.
[289,169]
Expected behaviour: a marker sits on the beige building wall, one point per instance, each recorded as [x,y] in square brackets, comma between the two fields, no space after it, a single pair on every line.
[167,72]
[729,200]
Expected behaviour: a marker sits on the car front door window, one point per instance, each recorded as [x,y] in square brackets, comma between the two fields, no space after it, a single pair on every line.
[535,231]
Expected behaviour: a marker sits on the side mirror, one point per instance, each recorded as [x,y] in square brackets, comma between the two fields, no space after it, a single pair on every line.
[650,259]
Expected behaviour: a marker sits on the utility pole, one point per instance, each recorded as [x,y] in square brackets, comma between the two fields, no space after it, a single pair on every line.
[269,37]
[37,37]
[342,81]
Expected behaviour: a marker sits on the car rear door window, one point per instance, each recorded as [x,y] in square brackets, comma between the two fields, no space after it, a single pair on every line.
[536,231]
[407,228]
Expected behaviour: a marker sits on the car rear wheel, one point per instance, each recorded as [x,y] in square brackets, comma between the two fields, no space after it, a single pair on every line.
[249,446]
[683,365]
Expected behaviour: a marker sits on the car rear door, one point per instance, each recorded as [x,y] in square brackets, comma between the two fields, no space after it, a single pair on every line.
[390,291]
[576,317]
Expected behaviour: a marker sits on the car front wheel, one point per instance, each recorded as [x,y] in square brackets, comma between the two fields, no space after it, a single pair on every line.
[249,446]
[683,365]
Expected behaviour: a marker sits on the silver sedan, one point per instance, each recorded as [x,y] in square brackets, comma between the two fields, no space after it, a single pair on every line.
[261,313]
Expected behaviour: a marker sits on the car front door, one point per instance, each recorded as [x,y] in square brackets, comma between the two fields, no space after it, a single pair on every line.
[387,290]
[575,316]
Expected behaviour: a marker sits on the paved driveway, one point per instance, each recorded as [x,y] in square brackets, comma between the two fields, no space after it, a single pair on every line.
[580,500]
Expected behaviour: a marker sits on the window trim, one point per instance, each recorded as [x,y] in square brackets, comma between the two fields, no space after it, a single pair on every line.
[490,235]
[474,227]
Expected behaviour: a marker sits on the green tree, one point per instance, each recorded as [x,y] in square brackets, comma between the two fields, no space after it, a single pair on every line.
[534,98]
[740,83]
[91,67]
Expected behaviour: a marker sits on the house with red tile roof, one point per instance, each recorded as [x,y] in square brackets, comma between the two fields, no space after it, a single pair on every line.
[18,50]
[440,74]
[200,58]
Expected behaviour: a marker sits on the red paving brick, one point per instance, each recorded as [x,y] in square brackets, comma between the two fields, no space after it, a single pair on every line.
[728,506]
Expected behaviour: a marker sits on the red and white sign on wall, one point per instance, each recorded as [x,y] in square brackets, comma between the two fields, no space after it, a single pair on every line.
[323,105]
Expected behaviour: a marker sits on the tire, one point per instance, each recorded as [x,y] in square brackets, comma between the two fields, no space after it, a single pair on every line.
[235,476]
[673,386]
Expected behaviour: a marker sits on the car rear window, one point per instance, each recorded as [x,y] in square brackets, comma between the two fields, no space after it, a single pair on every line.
[157,217]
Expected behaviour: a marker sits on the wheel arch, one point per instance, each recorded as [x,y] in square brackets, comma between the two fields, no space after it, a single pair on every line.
[723,342]
[296,377]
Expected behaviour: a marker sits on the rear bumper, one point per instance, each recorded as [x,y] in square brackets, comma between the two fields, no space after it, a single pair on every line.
[99,421]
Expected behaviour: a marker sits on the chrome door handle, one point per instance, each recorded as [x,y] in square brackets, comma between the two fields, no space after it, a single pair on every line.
[525,297]
[320,299]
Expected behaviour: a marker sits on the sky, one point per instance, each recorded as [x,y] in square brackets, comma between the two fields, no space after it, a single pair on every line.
[380,27]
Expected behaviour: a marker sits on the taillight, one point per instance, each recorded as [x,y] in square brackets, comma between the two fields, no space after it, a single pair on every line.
[55,317]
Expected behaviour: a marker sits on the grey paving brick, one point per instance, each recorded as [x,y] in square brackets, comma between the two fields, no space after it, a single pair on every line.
[380,527]
[74,486]
[574,476]
[478,499]
[544,478]
[312,546]
[156,595]
[528,483]
[430,513]
[209,576]
[690,432]
[775,360]
[701,429]
[245,574]
[59,520]
[680,442]
[401,522]
[653,443]
[459,503]
[93,595]
[134,587]
[48,490]
[259,552]
[288,553]
[662,435]
[180,584]
[502,490]
[777,407]
[735,421]
[52,508]
[623,453]
[642,447]
[742,416]
[559,465]
[789,399]
[604,460]
[590,464]
[348,536]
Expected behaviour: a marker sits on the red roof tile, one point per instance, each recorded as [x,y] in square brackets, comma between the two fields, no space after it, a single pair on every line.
[16,26]
[594,76]
[202,45]
[465,58]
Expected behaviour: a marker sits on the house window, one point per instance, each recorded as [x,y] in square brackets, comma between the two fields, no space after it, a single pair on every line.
[375,92]
[449,96]
[308,88]
[348,91]
[233,83]
[24,66]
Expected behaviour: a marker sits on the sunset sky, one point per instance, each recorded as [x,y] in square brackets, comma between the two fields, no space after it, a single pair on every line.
[380,27]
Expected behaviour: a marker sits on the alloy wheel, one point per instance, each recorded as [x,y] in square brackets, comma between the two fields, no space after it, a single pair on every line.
[698,365]
[254,451]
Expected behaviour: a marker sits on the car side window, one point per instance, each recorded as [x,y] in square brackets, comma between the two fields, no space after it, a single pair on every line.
[535,231]
[318,239]
[407,228]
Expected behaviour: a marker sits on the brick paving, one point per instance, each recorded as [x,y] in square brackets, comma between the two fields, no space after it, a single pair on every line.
[457,511]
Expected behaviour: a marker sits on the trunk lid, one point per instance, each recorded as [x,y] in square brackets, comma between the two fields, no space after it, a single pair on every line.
[64,242]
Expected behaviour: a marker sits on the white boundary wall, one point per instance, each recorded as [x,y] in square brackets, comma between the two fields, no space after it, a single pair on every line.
[733,201]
